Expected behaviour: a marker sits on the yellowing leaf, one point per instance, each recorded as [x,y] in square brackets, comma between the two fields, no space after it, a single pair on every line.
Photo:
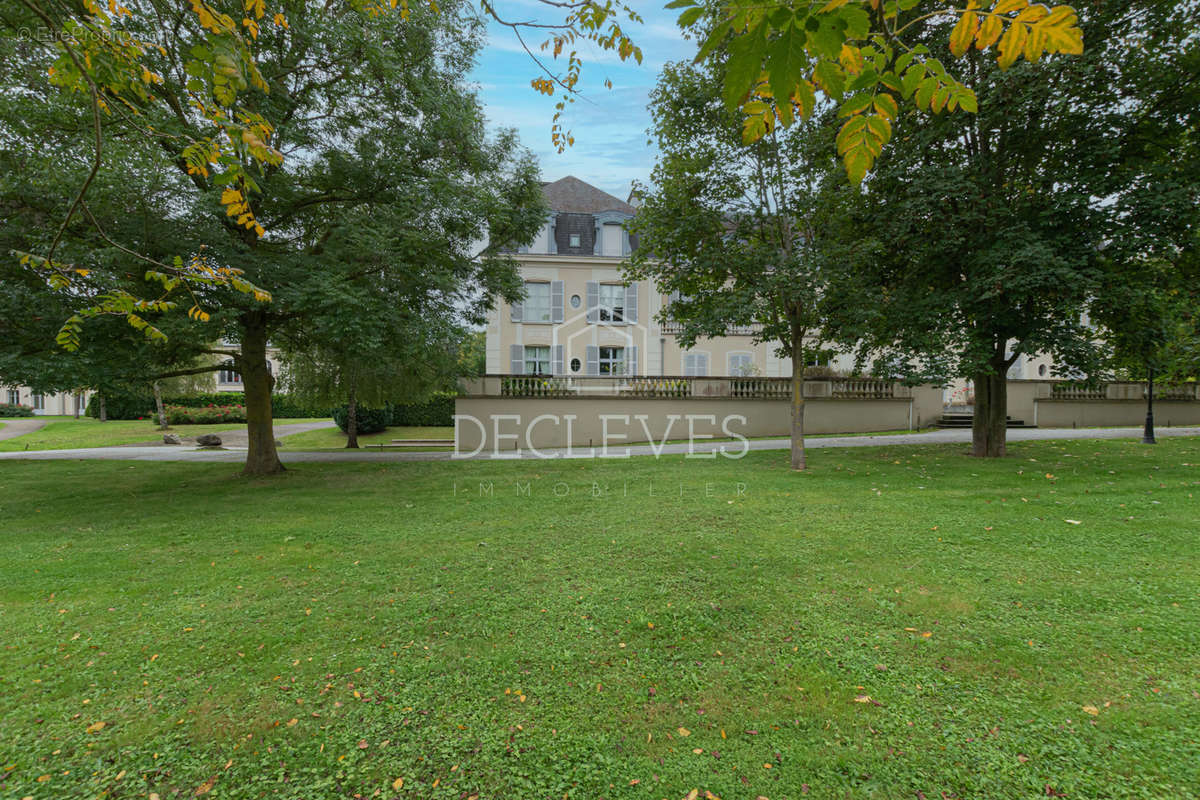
[397,784]
[684,732]
[1095,712]
[964,32]
[96,727]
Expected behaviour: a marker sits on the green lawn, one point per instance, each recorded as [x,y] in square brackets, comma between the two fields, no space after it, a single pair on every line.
[334,439]
[67,432]
[898,623]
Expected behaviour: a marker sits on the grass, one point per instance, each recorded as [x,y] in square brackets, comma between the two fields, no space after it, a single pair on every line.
[899,622]
[62,433]
[334,439]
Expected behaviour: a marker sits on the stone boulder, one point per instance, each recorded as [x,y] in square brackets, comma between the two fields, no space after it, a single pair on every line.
[171,438]
[208,440]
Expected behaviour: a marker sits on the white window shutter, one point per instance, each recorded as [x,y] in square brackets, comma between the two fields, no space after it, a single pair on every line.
[593,303]
[631,303]
[556,301]
[556,364]
[631,368]
[593,360]
[516,359]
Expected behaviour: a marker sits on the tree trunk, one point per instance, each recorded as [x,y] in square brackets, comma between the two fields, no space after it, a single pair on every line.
[103,410]
[158,407]
[798,459]
[257,381]
[352,420]
[78,402]
[989,425]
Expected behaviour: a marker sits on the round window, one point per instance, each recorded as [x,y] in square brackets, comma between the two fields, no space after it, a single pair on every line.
[575,301]
[575,365]
[1042,370]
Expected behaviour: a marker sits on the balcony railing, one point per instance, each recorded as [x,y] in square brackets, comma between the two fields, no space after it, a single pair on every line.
[674,328]
[749,388]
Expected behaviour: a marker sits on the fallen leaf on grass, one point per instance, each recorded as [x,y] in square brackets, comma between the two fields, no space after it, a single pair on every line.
[1095,712]
[1072,522]
[397,784]
[96,727]
[684,732]
[1022,757]
[205,787]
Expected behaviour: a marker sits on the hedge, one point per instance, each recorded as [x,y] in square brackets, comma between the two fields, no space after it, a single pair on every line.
[367,420]
[438,411]
[139,406]
[204,415]
[11,410]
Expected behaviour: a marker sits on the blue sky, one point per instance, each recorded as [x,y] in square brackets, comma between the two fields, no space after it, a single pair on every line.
[610,126]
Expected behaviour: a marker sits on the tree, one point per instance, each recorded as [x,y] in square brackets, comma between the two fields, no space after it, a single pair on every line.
[390,174]
[994,223]
[738,233]
[398,340]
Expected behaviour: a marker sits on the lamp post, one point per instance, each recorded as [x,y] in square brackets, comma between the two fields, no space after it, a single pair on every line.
[1148,433]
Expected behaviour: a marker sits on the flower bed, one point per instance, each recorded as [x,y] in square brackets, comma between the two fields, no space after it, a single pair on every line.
[204,415]
[15,410]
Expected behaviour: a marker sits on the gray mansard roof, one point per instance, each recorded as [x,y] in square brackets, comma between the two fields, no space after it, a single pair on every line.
[572,196]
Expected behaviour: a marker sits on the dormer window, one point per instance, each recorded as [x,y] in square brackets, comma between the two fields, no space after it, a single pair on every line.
[575,240]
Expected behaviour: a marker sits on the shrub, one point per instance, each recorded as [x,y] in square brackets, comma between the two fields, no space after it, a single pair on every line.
[15,410]
[437,411]
[131,405]
[368,420]
[204,415]
[135,405]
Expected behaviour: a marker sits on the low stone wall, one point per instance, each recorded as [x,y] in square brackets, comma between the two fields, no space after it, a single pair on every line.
[507,423]
[1058,404]
[1052,413]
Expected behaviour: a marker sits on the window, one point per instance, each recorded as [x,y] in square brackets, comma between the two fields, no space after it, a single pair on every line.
[576,365]
[39,402]
[819,358]
[537,360]
[741,364]
[612,302]
[612,360]
[575,301]
[537,302]
[1042,371]
[14,397]
[575,241]
[228,375]
[695,364]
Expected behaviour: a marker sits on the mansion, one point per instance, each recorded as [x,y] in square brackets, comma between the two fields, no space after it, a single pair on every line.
[581,318]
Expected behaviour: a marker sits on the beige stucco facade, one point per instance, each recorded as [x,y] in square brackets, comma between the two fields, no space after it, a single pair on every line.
[647,345]
[61,404]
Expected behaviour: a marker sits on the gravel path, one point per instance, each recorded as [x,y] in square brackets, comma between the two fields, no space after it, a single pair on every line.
[186,453]
[13,428]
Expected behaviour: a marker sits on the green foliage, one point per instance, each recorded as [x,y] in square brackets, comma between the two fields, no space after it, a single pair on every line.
[437,411]
[125,405]
[136,405]
[995,226]
[779,54]
[204,415]
[1017,603]
[15,410]
[367,420]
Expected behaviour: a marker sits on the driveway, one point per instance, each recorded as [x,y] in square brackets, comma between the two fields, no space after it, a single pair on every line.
[20,426]
[185,453]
